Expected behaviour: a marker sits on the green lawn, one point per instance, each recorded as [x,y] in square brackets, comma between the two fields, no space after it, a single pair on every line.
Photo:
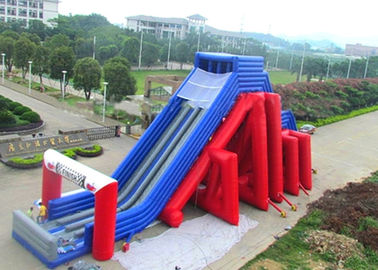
[276,77]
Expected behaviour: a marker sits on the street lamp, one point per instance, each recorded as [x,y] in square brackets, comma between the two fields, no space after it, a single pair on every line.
[3,56]
[103,108]
[30,77]
[64,83]
[140,49]
[303,55]
[350,63]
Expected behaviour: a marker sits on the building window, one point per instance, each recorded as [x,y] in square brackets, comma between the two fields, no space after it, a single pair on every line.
[41,5]
[33,4]
[11,11]
[2,19]
[2,10]
[33,13]
[22,12]
[41,15]
[2,2]
[12,2]
[23,3]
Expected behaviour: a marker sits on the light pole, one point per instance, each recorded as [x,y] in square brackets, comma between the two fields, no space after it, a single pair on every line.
[366,67]
[277,56]
[3,57]
[169,49]
[300,73]
[64,83]
[140,49]
[350,63]
[329,64]
[30,77]
[199,39]
[103,108]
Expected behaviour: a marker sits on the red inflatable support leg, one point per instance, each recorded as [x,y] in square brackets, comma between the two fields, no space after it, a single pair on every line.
[105,220]
[291,163]
[51,185]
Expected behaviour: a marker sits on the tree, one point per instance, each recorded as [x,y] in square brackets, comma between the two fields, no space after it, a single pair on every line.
[83,47]
[106,52]
[62,58]
[117,74]
[23,52]
[41,63]
[150,53]
[130,49]
[182,53]
[37,27]
[87,75]
[57,41]
[7,47]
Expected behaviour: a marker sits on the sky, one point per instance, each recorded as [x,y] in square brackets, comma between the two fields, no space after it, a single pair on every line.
[339,21]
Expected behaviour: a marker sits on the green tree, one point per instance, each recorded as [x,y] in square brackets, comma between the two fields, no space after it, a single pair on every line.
[57,41]
[150,53]
[7,47]
[106,52]
[23,52]
[182,50]
[130,49]
[83,47]
[38,27]
[41,63]
[117,74]
[62,58]
[11,34]
[87,75]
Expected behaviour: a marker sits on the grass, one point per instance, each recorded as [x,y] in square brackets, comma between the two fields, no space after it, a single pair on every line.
[294,253]
[291,250]
[72,100]
[140,77]
[276,77]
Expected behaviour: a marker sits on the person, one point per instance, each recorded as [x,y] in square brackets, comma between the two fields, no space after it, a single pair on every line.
[30,213]
[42,213]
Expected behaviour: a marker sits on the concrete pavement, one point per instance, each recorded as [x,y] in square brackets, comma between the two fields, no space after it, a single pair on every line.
[342,152]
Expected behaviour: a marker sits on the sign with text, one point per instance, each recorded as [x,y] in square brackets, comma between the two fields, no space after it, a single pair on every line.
[41,144]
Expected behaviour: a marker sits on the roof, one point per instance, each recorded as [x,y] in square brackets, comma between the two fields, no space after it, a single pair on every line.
[158,19]
[218,32]
[197,17]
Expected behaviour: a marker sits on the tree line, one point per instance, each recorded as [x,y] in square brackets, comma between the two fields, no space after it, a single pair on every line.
[89,49]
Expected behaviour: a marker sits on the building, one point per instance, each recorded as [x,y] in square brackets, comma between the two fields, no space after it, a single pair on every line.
[26,10]
[180,27]
[360,50]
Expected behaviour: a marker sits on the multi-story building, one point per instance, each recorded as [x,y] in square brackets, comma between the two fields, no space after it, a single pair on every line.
[26,10]
[360,50]
[179,28]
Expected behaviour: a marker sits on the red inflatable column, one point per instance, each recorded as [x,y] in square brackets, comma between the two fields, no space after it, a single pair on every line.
[51,185]
[275,162]
[104,222]
[291,163]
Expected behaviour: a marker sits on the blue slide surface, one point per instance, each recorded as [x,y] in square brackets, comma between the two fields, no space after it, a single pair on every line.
[206,96]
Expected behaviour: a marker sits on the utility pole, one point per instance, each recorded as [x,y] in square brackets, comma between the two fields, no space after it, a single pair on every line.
[366,67]
[169,48]
[140,49]
[303,54]
[350,63]
[329,64]
[94,47]
[199,39]
[291,59]
[278,55]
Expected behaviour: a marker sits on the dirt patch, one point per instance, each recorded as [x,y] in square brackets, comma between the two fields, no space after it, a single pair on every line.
[341,246]
[347,208]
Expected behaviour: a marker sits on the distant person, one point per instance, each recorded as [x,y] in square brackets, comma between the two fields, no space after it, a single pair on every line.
[42,213]
[30,213]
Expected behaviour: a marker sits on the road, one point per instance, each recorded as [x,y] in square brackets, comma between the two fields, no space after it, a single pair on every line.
[342,152]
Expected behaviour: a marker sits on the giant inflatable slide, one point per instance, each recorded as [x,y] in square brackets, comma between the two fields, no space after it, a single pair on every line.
[221,138]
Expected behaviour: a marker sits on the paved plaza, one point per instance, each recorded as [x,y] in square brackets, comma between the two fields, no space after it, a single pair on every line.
[341,152]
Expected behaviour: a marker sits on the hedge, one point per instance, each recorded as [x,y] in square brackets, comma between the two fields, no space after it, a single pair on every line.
[31,116]
[19,110]
[6,117]
[92,151]
[13,105]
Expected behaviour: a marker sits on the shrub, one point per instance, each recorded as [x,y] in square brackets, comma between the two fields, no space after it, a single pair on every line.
[92,151]
[6,117]
[30,116]
[4,105]
[342,94]
[21,110]
[337,110]
[13,105]
[71,153]
[312,95]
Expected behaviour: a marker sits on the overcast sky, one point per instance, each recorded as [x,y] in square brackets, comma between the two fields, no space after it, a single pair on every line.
[341,21]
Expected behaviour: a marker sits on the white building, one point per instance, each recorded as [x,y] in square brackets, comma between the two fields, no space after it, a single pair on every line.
[25,10]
